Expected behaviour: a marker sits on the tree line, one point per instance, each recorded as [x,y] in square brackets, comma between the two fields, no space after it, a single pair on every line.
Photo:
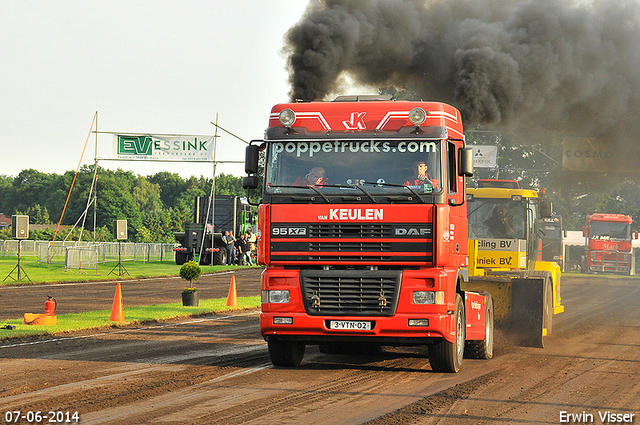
[154,206]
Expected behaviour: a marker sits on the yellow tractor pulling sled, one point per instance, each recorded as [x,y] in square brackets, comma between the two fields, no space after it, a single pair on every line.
[505,229]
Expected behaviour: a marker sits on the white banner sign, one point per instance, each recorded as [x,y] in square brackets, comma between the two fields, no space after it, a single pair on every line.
[485,156]
[163,148]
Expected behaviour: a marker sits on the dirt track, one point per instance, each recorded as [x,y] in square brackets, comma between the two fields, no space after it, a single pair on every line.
[215,369]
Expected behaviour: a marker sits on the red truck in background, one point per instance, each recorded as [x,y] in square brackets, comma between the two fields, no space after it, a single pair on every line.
[363,231]
[608,244]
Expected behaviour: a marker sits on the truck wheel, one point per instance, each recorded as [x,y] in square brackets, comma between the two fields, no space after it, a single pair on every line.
[445,356]
[205,259]
[483,349]
[285,353]
[181,258]
[220,258]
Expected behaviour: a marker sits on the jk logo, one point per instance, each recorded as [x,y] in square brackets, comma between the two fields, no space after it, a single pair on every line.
[356,122]
[134,145]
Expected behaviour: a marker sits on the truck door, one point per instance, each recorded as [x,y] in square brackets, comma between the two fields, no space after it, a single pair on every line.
[533,234]
[455,191]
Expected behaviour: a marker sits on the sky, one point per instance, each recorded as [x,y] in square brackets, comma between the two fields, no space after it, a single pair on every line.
[155,67]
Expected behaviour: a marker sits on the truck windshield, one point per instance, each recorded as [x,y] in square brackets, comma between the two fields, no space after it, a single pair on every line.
[496,218]
[552,231]
[384,166]
[603,230]
[553,228]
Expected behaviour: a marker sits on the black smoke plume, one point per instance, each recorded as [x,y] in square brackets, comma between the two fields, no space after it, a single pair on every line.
[565,65]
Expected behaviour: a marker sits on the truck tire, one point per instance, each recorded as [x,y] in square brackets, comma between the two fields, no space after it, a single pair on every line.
[181,258]
[205,259]
[483,349]
[285,353]
[445,356]
[220,257]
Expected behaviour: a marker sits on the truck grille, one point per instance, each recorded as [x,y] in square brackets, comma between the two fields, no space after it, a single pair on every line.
[350,246]
[350,230]
[350,292]
[355,243]
[613,261]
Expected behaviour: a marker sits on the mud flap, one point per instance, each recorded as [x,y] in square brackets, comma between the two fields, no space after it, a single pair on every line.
[500,290]
[527,311]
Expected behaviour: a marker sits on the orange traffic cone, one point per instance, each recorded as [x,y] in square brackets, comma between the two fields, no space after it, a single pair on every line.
[117,312]
[232,298]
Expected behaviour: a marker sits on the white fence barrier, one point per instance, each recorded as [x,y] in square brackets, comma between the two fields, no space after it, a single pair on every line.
[10,247]
[87,255]
[54,252]
[81,258]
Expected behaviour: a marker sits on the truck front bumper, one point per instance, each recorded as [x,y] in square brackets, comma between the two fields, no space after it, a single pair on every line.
[396,330]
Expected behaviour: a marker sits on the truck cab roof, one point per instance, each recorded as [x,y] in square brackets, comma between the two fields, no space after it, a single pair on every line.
[500,193]
[504,184]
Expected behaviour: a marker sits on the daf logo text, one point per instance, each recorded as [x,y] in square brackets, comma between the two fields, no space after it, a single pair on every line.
[411,231]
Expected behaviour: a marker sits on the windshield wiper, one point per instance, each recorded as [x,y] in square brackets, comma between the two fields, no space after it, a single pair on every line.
[398,185]
[306,187]
[358,187]
[329,185]
[368,194]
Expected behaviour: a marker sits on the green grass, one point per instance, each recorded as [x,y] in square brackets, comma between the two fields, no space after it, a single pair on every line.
[34,272]
[133,315]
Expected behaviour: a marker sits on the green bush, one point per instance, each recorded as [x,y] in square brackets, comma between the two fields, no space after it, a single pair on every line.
[190,271]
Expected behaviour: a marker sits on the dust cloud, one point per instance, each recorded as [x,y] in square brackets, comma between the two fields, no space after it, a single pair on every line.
[572,66]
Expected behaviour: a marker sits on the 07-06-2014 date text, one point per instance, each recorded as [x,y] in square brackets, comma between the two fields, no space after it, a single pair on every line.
[49,417]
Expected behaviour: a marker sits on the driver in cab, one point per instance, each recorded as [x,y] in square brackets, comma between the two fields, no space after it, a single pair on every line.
[315,177]
[421,176]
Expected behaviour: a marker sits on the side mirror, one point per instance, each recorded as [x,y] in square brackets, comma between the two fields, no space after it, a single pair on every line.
[249,182]
[251,159]
[465,162]
[546,209]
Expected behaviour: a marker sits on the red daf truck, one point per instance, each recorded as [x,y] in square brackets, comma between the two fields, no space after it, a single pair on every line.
[363,231]
[608,244]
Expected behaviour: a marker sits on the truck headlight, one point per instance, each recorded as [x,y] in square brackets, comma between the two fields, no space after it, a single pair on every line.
[417,116]
[287,117]
[428,297]
[275,296]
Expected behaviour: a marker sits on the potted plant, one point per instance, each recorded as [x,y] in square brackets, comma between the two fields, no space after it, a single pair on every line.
[190,271]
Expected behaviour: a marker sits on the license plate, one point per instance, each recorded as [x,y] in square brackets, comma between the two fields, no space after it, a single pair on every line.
[350,325]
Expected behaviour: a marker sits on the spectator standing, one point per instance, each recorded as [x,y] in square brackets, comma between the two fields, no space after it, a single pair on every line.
[245,250]
[229,240]
[238,252]
[251,238]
